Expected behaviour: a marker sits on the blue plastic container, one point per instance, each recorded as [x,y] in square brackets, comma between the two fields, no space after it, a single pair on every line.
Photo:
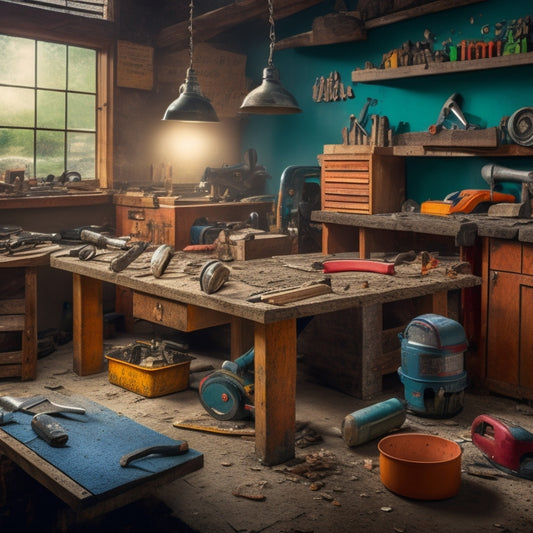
[432,370]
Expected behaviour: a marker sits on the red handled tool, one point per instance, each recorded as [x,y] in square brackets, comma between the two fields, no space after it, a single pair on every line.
[357,265]
[507,446]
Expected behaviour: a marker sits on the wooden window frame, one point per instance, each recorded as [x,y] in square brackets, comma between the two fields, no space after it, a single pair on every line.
[32,23]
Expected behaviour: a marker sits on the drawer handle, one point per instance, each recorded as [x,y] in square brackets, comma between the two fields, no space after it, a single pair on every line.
[135,214]
[494,277]
[158,312]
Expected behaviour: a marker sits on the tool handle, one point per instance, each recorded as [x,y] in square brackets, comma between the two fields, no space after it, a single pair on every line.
[168,451]
[49,430]
[101,241]
[357,265]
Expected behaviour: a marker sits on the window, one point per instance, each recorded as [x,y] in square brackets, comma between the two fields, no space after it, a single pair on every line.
[48,112]
[101,9]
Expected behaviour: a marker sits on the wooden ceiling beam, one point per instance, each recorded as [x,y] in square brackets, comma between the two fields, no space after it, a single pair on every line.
[208,25]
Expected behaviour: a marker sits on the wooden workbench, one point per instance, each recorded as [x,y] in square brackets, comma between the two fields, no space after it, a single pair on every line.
[177,296]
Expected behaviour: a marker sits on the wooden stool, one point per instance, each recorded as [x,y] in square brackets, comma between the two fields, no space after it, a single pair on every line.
[18,309]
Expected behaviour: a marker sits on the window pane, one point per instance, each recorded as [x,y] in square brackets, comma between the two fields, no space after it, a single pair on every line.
[16,150]
[50,110]
[51,65]
[81,154]
[17,52]
[17,107]
[50,153]
[81,112]
[81,69]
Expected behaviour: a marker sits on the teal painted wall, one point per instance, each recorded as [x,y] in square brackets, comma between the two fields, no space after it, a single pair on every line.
[488,95]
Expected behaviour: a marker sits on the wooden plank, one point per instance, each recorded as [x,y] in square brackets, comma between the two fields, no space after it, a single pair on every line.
[275,391]
[485,138]
[371,342]
[212,23]
[329,29]
[12,306]
[262,245]
[10,371]
[450,67]
[29,337]
[88,325]
[418,11]
[295,295]
[11,358]
[12,323]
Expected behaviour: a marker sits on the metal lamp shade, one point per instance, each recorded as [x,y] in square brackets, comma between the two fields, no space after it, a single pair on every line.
[270,98]
[191,105]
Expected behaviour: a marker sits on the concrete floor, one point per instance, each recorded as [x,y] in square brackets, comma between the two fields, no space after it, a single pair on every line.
[346,495]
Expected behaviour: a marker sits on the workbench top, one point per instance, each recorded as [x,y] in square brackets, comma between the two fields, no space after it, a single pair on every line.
[180,282]
[464,228]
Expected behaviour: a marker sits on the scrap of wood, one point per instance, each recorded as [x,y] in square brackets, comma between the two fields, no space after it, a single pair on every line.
[205,422]
[297,294]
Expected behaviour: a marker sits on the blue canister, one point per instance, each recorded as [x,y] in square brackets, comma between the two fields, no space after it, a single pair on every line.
[373,421]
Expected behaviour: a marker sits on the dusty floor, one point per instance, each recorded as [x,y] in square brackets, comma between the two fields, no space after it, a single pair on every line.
[352,497]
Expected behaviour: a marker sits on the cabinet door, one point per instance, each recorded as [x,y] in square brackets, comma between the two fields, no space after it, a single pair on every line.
[526,335]
[503,327]
[510,331]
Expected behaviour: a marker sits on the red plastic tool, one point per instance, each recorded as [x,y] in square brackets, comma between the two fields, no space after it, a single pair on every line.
[507,446]
[357,265]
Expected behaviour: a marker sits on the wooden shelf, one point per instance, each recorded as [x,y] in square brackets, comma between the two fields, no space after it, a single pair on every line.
[506,150]
[376,75]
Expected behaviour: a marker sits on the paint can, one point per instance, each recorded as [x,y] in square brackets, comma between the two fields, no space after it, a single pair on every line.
[373,421]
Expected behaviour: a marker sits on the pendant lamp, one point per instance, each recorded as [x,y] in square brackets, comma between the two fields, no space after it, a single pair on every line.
[191,105]
[270,98]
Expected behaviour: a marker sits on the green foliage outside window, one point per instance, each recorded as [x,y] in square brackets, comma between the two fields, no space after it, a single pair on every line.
[48,111]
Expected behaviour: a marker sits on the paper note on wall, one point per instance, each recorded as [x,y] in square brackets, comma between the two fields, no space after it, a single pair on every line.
[135,66]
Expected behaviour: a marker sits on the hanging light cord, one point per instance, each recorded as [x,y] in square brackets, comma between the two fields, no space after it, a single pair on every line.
[272,31]
[190,33]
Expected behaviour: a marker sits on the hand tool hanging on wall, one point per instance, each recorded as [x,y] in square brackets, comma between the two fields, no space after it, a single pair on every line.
[331,89]
[451,116]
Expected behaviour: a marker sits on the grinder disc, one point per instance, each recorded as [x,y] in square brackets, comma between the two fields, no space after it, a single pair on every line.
[520,126]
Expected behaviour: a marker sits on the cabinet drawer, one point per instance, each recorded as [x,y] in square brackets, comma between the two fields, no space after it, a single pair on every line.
[183,317]
[505,255]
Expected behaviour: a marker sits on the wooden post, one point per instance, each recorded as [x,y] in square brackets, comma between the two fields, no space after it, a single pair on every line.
[88,326]
[29,337]
[242,336]
[275,391]
[371,349]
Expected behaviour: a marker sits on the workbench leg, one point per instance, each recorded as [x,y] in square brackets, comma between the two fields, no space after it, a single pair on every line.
[88,325]
[439,303]
[242,336]
[29,337]
[275,391]
[371,350]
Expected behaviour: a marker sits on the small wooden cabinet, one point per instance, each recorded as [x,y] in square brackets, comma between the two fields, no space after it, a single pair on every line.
[361,179]
[168,220]
[509,318]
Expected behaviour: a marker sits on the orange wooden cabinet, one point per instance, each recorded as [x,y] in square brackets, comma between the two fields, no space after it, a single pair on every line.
[508,307]
[168,220]
[362,180]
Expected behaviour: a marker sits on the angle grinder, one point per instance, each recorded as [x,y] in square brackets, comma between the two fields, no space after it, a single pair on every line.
[228,393]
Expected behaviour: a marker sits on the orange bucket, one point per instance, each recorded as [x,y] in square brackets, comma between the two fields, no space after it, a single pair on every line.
[423,467]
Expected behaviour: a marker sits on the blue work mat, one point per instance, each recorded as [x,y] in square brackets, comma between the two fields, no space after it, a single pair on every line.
[96,442]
